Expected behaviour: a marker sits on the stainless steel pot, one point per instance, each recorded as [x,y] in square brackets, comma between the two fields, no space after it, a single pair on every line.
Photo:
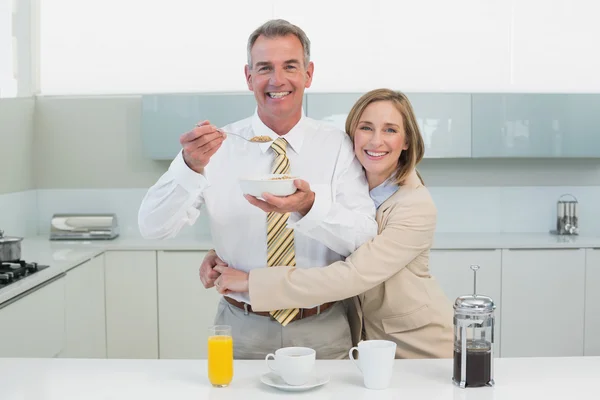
[10,247]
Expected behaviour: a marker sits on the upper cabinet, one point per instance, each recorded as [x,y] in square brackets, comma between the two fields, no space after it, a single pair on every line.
[444,119]
[453,125]
[536,125]
[165,117]
[331,107]
[445,123]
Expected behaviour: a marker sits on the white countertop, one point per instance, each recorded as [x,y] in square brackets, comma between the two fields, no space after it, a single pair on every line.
[64,255]
[71,379]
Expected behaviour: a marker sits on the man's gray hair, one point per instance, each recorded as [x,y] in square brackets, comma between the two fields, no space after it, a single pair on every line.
[279,28]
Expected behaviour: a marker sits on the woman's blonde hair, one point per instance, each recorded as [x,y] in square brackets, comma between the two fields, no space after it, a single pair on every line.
[410,157]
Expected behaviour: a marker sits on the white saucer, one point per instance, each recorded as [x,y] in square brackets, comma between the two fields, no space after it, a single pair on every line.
[274,380]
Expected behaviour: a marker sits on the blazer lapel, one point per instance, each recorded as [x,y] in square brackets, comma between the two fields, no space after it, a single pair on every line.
[412,182]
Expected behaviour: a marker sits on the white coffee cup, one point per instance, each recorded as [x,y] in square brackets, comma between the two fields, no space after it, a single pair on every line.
[295,365]
[375,361]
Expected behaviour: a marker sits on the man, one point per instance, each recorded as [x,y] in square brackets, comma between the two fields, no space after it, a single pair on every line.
[329,216]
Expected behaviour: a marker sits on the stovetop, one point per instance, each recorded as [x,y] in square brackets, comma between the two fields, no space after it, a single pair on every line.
[14,271]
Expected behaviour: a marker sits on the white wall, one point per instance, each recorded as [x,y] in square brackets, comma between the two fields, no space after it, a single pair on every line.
[16,141]
[17,195]
[95,142]
[426,45]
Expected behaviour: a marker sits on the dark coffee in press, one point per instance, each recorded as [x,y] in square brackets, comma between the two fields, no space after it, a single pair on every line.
[479,366]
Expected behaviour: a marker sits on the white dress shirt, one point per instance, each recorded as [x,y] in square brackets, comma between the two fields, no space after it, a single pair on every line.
[340,220]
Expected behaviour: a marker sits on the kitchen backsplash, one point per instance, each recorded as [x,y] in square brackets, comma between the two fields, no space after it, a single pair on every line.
[18,213]
[460,209]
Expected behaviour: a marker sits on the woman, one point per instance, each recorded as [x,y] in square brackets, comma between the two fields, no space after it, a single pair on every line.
[396,297]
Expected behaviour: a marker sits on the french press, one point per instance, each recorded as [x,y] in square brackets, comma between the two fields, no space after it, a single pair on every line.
[474,339]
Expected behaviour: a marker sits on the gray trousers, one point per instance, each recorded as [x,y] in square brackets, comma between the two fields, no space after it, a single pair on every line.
[255,336]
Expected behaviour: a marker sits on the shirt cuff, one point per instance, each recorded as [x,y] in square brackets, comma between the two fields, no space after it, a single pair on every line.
[186,177]
[317,213]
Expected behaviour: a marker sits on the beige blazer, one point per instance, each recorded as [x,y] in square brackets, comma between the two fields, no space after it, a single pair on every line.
[386,282]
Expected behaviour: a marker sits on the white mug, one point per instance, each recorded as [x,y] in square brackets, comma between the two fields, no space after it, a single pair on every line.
[375,361]
[295,365]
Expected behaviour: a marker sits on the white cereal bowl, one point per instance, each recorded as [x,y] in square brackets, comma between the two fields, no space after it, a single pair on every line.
[257,185]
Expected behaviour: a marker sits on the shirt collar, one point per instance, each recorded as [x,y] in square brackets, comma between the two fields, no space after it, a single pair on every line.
[384,191]
[295,137]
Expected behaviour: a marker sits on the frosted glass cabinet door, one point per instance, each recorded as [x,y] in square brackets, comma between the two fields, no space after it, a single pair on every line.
[330,107]
[165,117]
[582,135]
[443,118]
[536,125]
[445,123]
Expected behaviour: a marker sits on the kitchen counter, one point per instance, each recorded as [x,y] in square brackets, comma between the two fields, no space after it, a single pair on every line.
[70,379]
[64,255]
[40,248]
[456,241]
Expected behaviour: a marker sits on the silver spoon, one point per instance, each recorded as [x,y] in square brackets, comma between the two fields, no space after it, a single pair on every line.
[247,140]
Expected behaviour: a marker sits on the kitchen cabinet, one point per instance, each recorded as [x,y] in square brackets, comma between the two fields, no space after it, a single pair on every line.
[131,304]
[85,311]
[536,125]
[33,324]
[543,302]
[444,119]
[166,116]
[331,107]
[451,268]
[592,303]
[453,125]
[185,308]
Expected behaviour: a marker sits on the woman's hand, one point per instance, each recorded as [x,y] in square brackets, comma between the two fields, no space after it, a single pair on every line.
[231,280]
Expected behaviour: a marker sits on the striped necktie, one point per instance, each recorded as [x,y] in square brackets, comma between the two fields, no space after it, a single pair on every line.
[280,239]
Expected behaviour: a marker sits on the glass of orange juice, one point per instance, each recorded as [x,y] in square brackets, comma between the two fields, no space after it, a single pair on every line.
[220,355]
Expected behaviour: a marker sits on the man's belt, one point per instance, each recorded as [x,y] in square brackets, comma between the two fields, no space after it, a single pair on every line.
[304,312]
